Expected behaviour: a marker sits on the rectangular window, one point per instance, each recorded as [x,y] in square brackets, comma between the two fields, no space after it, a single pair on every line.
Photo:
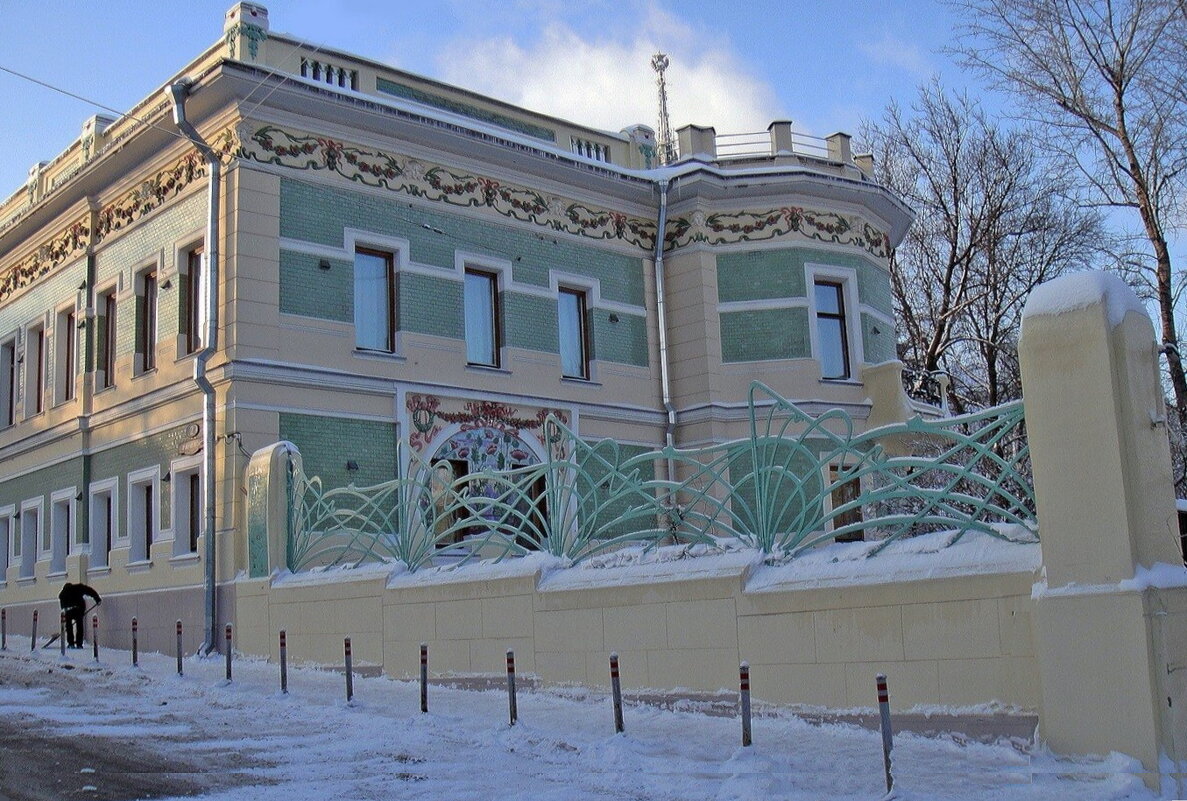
[482,318]
[831,336]
[192,316]
[194,510]
[102,522]
[30,531]
[61,529]
[143,488]
[574,337]
[374,300]
[65,338]
[106,341]
[35,370]
[6,542]
[146,322]
[8,377]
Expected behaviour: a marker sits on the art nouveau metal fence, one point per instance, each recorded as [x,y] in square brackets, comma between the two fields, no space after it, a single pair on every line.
[796,481]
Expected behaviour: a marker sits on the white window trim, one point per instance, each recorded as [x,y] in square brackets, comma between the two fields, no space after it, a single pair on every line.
[847,278]
[6,515]
[29,406]
[60,379]
[106,486]
[29,505]
[397,248]
[139,478]
[138,274]
[68,496]
[463,262]
[184,465]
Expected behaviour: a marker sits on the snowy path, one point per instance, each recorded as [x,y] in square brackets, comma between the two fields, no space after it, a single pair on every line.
[310,746]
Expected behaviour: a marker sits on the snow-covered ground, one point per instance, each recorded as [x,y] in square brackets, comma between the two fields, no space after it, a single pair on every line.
[311,746]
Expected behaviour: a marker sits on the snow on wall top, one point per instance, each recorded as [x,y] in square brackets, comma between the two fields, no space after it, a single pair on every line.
[1081,290]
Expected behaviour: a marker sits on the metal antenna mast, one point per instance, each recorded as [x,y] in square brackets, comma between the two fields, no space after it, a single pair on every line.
[665,146]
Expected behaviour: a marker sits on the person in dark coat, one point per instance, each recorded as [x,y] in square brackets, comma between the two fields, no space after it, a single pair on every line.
[73,599]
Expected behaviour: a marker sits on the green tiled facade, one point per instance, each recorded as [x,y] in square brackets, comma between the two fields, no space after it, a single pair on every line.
[431,305]
[328,443]
[762,334]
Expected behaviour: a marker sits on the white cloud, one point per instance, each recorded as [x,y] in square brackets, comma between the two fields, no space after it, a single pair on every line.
[894,52]
[607,82]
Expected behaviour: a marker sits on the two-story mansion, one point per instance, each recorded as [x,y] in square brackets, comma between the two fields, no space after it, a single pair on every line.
[294,243]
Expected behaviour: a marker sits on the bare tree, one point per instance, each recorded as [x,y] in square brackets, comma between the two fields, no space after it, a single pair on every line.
[1106,80]
[993,221]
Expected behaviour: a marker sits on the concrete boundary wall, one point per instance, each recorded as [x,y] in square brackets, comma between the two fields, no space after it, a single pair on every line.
[958,640]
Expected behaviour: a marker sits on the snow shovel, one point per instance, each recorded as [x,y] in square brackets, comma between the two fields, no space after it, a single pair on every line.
[54,637]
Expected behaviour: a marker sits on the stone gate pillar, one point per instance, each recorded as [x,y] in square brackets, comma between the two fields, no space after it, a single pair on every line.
[267,482]
[1111,611]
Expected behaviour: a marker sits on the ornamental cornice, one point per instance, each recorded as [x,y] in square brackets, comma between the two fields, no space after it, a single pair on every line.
[781,223]
[416,178]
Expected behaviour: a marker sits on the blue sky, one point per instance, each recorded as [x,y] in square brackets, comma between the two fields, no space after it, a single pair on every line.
[824,65]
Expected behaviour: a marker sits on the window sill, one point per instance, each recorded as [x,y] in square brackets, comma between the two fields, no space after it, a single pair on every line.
[25,581]
[108,388]
[488,368]
[57,574]
[184,559]
[844,382]
[139,567]
[99,570]
[583,382]
[380,355]
[142,373]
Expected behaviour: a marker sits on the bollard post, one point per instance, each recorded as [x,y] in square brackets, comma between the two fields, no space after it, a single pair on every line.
[62,635]
[33,638]
[3,629]
[228,652]
[424,677]
[349,671]
[616,692]
[511,705]
[179,667]
[95,636]
[744,694]
[135,644]
[887,737]
[284,664]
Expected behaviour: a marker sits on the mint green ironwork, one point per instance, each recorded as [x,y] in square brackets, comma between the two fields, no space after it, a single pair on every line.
[772,491]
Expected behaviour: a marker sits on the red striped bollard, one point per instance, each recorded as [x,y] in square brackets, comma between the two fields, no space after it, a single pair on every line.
[424,677]
[349,671]
[3,629]
[135,644]
[887,736]
[744,695]
[228,652]
[33,636]
[179,667]
[284,664]
[62,635]
[511,705]
[616,693]
[94,636]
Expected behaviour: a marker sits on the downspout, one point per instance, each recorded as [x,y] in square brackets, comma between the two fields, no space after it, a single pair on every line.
[177,94]
[661,311]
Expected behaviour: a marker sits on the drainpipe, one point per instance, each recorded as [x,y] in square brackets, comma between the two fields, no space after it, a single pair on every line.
[661,310]
[177,94]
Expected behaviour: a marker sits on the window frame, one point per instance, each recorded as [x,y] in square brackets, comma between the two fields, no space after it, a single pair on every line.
[99,490]
[35,368]
[62,531]
[105,363]
[392,323]
[846,279]
[182,472]
[9,382]
[582,296]
[31,540]
[143,524]
[191,315]
[66,348]
[147,318]
[492,276]
[7,540]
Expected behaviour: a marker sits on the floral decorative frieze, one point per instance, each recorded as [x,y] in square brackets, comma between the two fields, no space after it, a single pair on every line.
[435,182]
[492,419]
[58,250]
[721,228]
[149,195]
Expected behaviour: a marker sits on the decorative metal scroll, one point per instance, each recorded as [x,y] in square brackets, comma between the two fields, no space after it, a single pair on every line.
[796,481]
